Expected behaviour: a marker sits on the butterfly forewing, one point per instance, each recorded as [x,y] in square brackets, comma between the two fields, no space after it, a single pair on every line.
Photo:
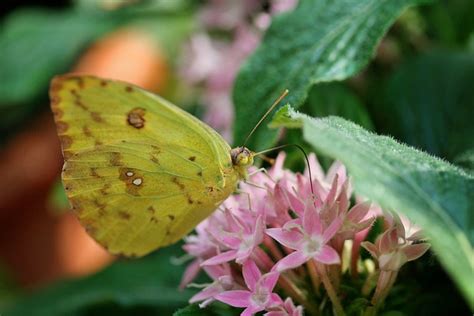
[139,172]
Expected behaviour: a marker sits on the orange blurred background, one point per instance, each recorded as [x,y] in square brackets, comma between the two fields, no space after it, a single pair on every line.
[38,242]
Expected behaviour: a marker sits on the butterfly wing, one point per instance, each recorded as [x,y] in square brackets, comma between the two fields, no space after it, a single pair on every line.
[139,172]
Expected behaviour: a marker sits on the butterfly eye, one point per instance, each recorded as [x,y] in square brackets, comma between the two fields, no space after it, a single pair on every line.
[242,157]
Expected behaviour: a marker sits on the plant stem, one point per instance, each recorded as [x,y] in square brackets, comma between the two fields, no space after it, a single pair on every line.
[272,248]
[292,290]
[384,285]
[330,290]
[313,273]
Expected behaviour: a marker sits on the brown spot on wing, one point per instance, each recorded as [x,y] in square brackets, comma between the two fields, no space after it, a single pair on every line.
[179,184]
[58,113]
[103,83]
[153,219]
[128,89]
[56,85]
[86,131]
[136,118]
[100,207]
[151,209]
[90,229]
[76,204]
[192,158]
[97,117]
[124,215]
[81,105]
[130,181]
[154,159]
[94,173]
[171,217]
[62,127]
[80,82]
[190,200]
[67,154]
[66,141]
[105,188]
[199,173]
[115,159]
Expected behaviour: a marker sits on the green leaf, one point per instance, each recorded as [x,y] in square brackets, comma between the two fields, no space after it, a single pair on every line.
[334,98]
[318,41]
[433,193]
[429,103]
[149,282]
[38,43]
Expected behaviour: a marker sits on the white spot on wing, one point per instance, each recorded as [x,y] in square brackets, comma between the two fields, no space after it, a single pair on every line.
[137,181]
[129,174]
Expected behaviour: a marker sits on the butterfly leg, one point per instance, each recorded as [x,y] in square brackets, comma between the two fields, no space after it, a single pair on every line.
[265,172]
[248,197]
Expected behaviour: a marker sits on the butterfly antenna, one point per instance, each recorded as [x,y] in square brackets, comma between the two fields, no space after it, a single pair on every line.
[284,94]
[305,157]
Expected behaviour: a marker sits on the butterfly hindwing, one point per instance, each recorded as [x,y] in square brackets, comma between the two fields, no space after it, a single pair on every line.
[139,172]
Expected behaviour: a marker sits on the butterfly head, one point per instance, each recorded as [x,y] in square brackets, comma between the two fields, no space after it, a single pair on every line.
[242,157]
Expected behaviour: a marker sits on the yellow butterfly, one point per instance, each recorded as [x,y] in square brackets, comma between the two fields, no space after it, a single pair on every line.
[139,172]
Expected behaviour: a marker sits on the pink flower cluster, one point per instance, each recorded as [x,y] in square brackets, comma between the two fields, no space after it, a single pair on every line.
[213,61]
[263,244]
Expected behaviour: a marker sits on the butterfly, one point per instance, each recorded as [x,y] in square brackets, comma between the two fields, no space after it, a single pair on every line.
[139,172]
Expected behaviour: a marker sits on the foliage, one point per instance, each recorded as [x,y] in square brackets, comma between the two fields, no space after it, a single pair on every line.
[147,285]
[319,41]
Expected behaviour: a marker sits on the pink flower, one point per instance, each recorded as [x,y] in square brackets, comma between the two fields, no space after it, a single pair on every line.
[213,62]
[392,250]
[288,308]
[309,240]
[200,247]
[355,220]
[279,224]
[223,281]
[242,238]
[260,294]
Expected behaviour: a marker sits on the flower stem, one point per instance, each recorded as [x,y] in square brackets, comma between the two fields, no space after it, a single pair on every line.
[292,290]
[384,284]
[263,258]
[272,248]
[313,273]
[339,311]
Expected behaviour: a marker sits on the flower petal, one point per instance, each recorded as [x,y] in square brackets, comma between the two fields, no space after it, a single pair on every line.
[415,251]
[327,255]
[208,292]
[311,221]
[275,300]
[251,310]
[236,298]
[190,273]
[269,280]
[371,248]
[331,196]
[289,238]
[258,231]
[220,258]
[359,211]
[293,260]
[332,229]
[251,274]
[388,241]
